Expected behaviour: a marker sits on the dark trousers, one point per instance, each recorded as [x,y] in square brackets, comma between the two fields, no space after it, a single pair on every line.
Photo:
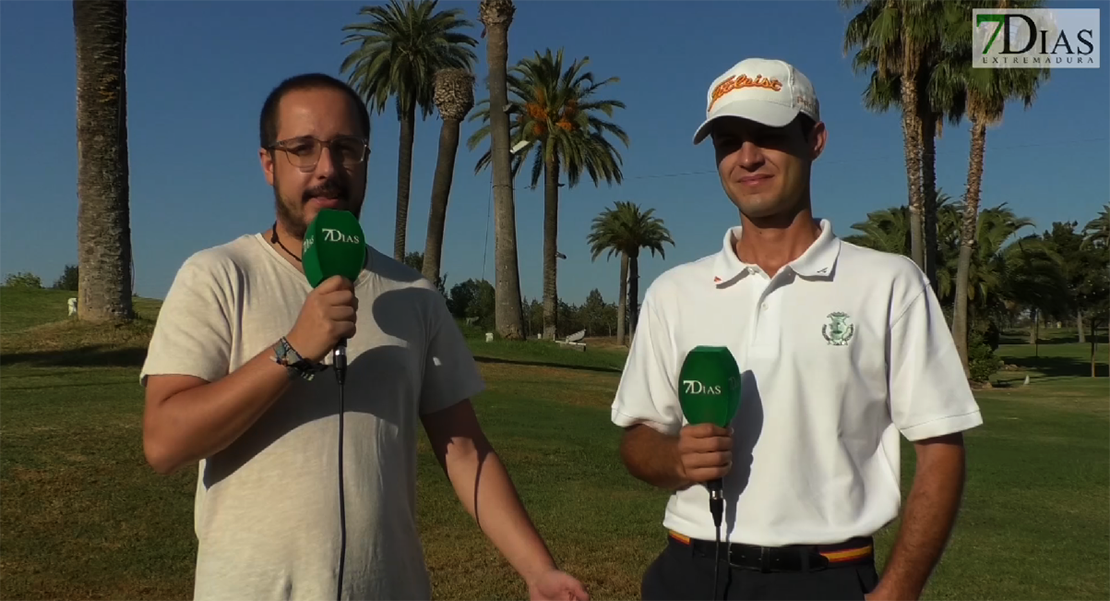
[683,572]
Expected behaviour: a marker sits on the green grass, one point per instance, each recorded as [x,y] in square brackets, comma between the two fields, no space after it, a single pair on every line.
[83,517]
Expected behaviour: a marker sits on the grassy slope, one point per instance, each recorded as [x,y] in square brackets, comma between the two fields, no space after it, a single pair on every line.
[83,517]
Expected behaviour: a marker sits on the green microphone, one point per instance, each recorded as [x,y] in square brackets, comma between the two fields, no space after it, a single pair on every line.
[709,392]
[334,245]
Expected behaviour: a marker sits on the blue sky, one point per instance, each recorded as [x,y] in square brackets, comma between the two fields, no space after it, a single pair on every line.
[199,71]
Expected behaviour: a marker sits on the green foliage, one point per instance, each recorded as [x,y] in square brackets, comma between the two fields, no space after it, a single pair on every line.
[557,111]
[400,47]
[473,302]
[415,260]
[23,279]
[982,362]
[68,280]
[626,228]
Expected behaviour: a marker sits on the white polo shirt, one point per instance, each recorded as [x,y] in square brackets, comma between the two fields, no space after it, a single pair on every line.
[840,352]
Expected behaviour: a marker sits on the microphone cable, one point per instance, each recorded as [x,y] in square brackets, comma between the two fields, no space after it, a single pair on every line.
[340,378]
[717,508]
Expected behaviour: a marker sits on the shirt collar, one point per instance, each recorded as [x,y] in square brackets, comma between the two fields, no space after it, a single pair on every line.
[818,261]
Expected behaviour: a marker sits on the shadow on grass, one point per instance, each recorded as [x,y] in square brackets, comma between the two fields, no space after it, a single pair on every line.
[1049,341]
[609,370]
[1059,366]
[96,355]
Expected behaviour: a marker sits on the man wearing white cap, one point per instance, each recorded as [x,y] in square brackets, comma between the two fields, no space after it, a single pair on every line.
[842,350]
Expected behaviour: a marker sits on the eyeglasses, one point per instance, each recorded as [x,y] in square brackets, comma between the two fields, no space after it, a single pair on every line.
[304,152]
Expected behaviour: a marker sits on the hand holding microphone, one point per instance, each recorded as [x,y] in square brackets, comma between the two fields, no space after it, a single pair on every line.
[327,317]
[334,249]
[709,392]
[704,452]
[333,254]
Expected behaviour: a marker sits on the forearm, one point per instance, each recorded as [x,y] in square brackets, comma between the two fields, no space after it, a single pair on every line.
[486,491]
[927,521]
[201,421]
[652,457]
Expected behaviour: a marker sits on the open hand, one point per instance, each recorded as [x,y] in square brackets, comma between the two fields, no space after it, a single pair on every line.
[555,585]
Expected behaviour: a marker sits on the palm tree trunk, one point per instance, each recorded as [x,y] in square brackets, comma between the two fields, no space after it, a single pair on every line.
[929,195]
[911,137]
[550,247]
[103,191]
[633,295]
[404,175]
[1094,363]
[912,148]
[441,193]
[622,302]
[968,232]
[497,15]
[1034,325]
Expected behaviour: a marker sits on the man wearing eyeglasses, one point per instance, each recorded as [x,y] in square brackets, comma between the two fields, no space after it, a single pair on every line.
[229,380]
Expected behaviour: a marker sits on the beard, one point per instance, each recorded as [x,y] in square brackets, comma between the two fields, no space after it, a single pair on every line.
[290,213]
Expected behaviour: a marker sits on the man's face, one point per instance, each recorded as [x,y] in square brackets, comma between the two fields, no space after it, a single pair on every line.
[765,170]
[301,190]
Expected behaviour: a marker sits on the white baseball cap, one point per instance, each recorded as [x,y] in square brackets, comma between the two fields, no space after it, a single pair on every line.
[771,92]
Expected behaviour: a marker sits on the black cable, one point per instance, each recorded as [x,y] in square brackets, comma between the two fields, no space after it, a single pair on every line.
[717,508]
[341,377]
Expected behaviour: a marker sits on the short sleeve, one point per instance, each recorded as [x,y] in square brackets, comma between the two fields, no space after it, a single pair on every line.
[450,372]
[647,393]
[192,336]
[929,393]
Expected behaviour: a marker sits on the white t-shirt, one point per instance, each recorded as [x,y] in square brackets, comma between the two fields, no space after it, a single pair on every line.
[267,507]
[841,352]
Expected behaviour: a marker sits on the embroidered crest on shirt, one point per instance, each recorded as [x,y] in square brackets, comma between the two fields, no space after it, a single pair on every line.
[839,330]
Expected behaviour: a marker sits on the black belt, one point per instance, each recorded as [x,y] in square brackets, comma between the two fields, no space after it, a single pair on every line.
[792,558]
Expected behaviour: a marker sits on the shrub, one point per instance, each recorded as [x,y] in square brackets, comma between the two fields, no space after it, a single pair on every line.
[23,279]
[982,341]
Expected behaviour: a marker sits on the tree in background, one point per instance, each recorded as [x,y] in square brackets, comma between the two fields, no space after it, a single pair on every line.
[557,114]
[497,16]
[454,97]
[1008,274]
[415,260]
[103,190]
[625,229]
[986,91]
[69,280]
[23,279]
[400,49]
[900,41]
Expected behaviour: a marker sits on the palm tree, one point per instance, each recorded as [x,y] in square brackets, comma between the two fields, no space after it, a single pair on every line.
[558,115]
[454,96]
[886,230]
[624,230]
[938,93]
[400,49]
[1097,230]
[987,91]
[103,192]
[1033,279]
[497,16]
[900,38]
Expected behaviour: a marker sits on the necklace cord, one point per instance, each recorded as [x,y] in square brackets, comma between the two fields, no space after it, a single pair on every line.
[274,239]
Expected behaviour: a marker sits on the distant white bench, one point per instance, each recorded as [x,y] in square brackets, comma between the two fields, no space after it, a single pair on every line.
[574,341]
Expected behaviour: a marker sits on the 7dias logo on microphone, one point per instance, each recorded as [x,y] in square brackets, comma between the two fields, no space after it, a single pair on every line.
[699,387]
[334,235]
